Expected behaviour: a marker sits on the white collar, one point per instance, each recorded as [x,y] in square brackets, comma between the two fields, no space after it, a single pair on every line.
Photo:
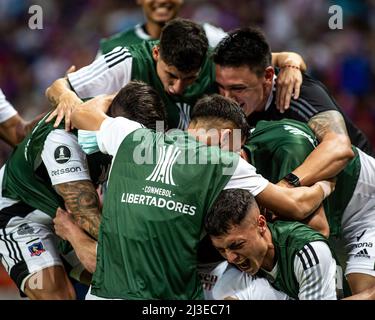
[270,97]
[138,29]
[271,275]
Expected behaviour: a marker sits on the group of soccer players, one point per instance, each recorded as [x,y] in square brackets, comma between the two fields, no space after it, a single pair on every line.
[172,200]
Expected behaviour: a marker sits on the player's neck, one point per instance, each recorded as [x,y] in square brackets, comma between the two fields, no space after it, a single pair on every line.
[153,29]
[267,98]
[269,260]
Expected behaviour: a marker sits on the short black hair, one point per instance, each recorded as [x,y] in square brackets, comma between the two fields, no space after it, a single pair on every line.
[245,46]
[139,102]
[183,44]
[229,209]
[219,107]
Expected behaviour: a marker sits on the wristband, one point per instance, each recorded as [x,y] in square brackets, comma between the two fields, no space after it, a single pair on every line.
[292,179]
[326,187]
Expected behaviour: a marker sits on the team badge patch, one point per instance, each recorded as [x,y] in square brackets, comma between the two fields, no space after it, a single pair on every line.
[62,154]
[36,249]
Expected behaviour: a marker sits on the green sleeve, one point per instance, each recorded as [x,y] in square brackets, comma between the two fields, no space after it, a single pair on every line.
[290,156]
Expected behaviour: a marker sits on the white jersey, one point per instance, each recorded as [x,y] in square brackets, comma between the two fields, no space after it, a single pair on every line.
[210,274]
[358,221]
[234,284]
[6,109]
[315,271]
[360,210]
[214,34]
[106,75]
[114,130]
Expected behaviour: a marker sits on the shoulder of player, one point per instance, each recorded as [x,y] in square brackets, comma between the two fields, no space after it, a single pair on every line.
[60,136]
[312,90]
[120,36]
[293,230]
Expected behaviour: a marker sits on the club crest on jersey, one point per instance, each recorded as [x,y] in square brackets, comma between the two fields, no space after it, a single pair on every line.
[164,166]
[36,249]
[62,154]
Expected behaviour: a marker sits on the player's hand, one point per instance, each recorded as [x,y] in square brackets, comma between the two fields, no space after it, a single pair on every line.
[64,224]
[68,101]
[71,69]
[288,85]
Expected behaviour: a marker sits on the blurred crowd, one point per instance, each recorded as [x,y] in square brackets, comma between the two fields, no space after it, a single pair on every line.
[344,60]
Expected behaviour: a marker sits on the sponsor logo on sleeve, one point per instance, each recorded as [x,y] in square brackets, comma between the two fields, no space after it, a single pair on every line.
[62,154]
[64,171]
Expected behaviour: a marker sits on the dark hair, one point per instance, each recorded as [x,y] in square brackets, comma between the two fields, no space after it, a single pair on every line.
[183,44]
[229,209]
[219,107]
[139,102]
[246,46]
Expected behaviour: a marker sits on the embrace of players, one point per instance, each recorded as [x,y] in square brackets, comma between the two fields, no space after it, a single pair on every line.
[169,169]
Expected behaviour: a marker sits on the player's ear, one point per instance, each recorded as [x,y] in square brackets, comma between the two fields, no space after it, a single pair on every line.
[269,74]
[155,52]
[262,224]
[225,135]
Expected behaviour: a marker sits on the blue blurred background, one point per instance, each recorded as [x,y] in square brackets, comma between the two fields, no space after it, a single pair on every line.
[344,60]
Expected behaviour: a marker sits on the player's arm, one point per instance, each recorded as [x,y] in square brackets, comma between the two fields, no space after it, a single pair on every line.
[333,152]
[368,294]
[289,79]
[294,203]
[281,59]
[81,199]
[315,272]
[110,131]
[12,130]
[105,75]
[83,245]
[91,114]
[318,221]
[67,168]
[15,129]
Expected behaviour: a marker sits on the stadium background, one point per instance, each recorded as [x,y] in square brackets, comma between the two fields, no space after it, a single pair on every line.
[344,60]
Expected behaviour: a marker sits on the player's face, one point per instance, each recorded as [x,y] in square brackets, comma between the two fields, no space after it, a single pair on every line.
[244,86]
[160,11]
[174,81]
[243,245]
